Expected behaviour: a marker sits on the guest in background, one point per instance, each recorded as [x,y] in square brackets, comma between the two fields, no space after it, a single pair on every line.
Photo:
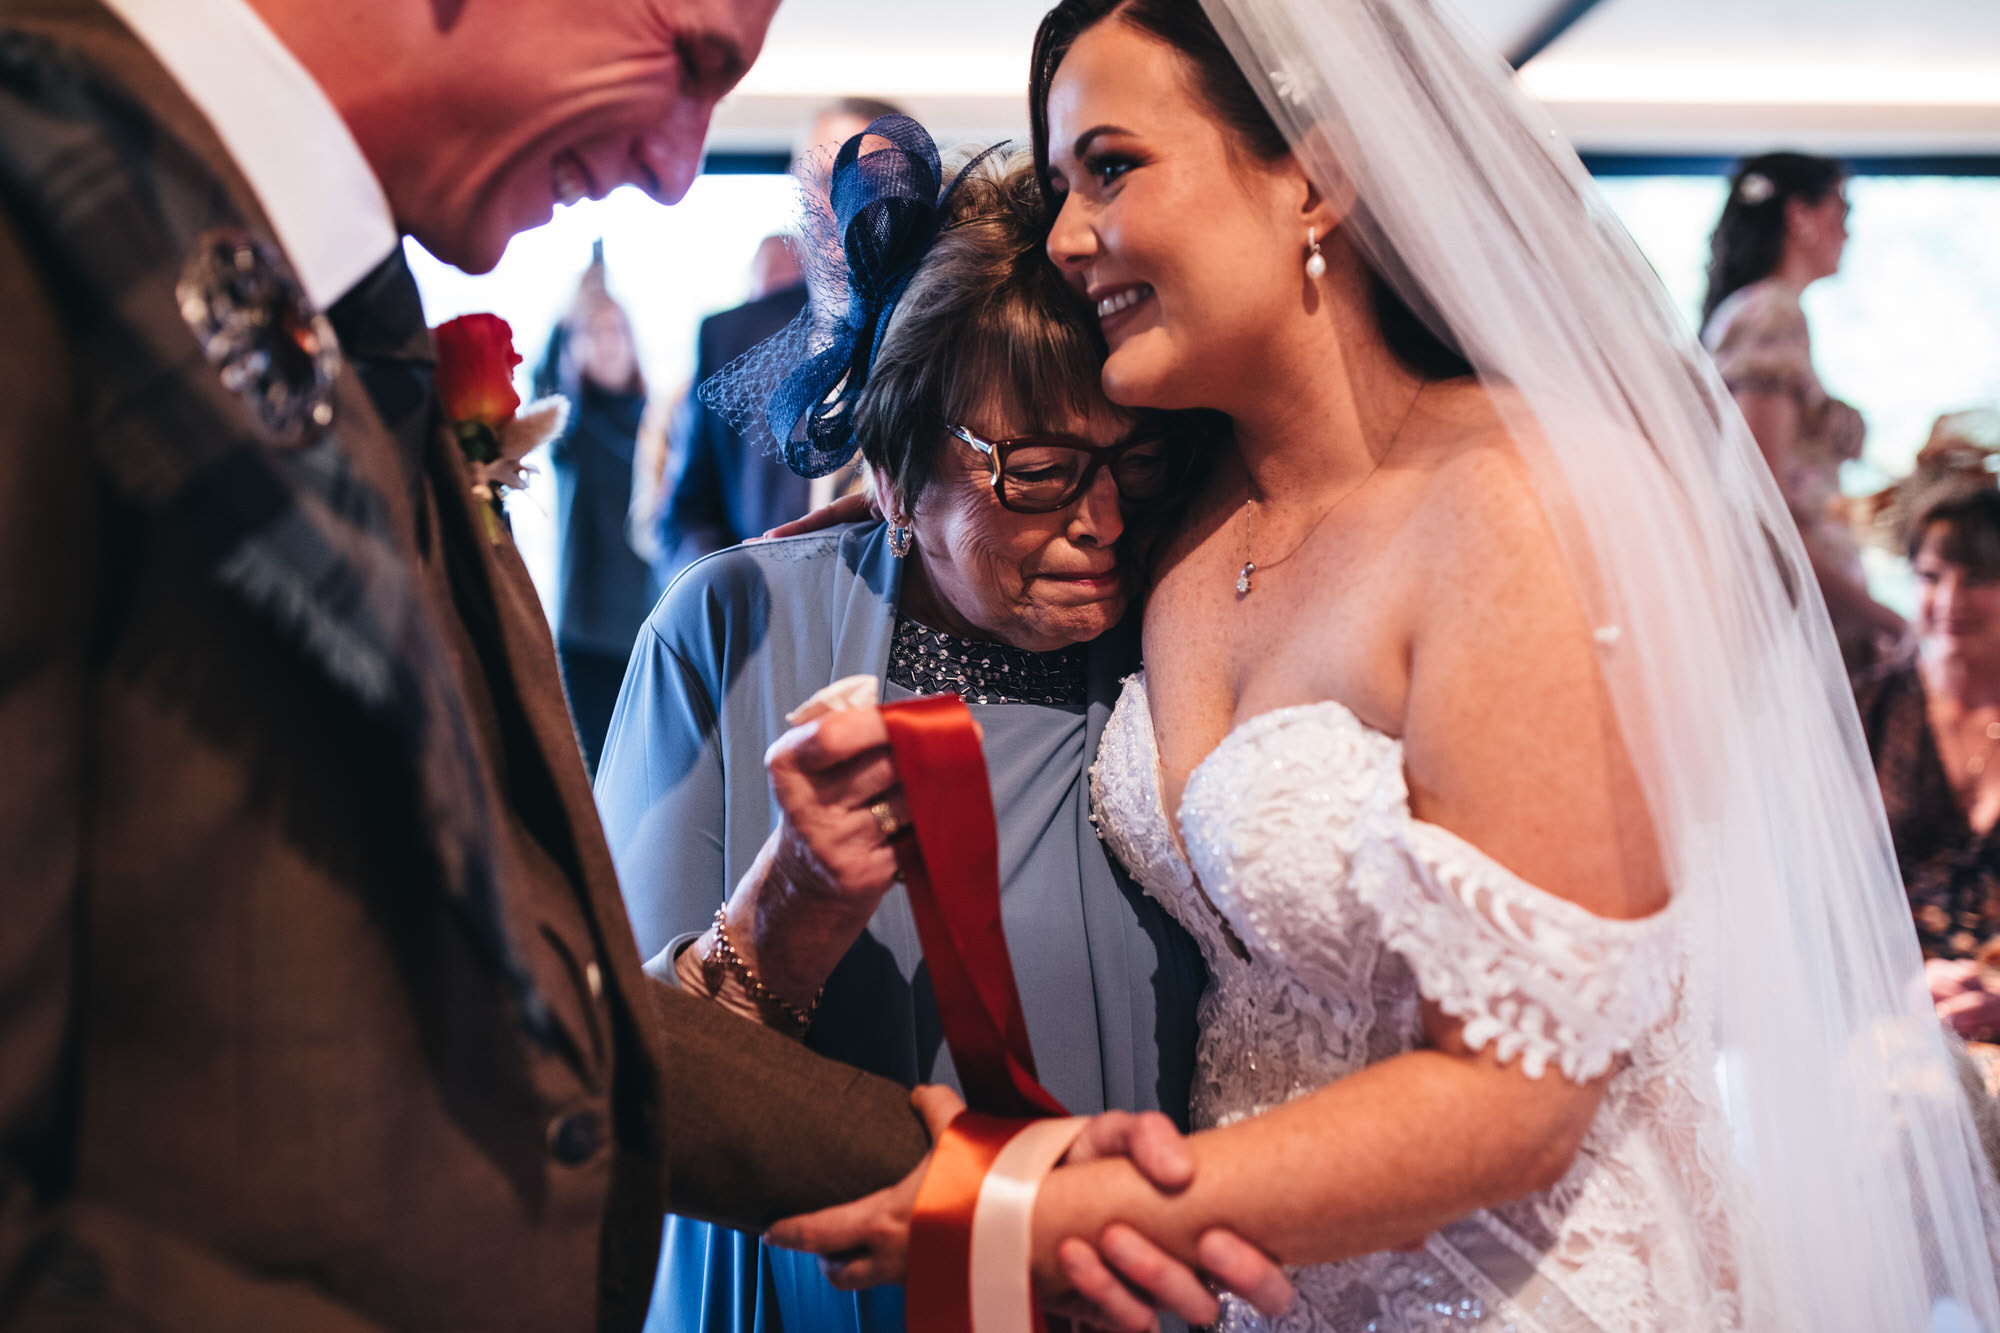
[724,491]
[774,268]
[1784,228]
[1005,577]
[603,588]
[653,465]
[1933,720]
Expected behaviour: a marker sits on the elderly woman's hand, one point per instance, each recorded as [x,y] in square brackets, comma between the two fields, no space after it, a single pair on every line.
[816,882]
[835,780]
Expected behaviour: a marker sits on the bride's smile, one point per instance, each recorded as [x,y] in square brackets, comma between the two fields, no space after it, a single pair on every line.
[1178,236]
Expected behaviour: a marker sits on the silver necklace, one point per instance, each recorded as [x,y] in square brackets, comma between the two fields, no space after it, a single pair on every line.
[1244,587]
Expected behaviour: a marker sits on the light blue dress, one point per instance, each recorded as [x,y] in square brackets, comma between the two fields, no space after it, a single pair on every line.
[1108,982]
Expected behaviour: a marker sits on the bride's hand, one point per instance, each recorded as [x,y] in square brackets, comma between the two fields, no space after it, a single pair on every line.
[1125,1278]
[856,508]
[864,1243]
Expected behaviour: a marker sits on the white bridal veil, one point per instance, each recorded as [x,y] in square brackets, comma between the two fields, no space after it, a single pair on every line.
[1864,1173]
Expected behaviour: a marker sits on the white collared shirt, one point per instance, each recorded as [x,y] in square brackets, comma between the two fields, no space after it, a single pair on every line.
[319,192]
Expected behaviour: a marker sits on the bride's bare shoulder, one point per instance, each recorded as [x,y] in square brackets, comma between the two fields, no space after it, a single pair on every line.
[1471,450]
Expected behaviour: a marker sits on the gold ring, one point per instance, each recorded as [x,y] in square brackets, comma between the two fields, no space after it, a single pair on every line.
[885,819]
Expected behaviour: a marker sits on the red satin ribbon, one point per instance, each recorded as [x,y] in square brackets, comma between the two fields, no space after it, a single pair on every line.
[951,869]
[938,1294]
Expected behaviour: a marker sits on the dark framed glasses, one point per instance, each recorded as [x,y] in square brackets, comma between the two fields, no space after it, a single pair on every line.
[1038,474]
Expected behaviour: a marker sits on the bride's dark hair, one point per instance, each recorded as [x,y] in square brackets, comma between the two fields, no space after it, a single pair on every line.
[1183,25]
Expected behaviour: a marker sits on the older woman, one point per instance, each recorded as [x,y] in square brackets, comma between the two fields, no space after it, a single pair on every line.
[1933,726]
[1004,574]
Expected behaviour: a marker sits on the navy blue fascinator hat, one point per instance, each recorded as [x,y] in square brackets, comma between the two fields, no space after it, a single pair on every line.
[880,217]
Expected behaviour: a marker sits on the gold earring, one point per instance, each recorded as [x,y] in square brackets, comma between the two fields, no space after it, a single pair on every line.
[1315,261]
[899,541]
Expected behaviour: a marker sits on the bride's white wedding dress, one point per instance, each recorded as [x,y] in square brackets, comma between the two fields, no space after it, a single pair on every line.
[1327,912]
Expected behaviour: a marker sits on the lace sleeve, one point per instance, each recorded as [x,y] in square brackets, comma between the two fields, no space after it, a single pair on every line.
[1535,975]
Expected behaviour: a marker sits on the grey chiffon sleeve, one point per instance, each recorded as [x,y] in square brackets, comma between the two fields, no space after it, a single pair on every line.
[661,793]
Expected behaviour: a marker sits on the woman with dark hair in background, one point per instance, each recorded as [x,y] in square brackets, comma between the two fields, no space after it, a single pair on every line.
[603,587]
[1933,720]
[1783,229]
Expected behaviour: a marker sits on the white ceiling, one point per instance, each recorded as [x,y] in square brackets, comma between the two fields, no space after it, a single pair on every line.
[1702,76]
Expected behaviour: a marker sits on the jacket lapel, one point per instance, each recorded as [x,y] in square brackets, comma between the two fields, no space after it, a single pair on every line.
[521,649]
[114,200]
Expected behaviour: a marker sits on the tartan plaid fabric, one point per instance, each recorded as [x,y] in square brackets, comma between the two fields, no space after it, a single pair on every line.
[113,204]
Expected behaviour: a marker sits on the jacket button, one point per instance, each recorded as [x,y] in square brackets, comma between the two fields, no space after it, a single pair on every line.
[574,1136]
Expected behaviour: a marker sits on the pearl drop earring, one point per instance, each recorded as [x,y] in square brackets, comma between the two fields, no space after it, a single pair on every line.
[1315,261]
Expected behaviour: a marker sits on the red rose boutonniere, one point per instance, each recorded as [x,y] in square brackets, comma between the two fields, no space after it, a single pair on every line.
[475,384]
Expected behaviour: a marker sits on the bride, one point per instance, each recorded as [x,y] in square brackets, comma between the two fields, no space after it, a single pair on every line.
[1491,735]
[1492,738]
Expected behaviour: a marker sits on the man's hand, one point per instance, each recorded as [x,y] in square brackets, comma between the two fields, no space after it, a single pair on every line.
[864,1243]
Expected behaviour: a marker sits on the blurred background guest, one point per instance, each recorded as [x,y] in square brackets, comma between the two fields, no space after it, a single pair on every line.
[1933,719]
[1784,228]
[653,465]
[722,490]
[603,587]
[774,268]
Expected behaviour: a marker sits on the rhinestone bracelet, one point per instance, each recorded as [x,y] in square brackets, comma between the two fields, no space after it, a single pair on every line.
[732,961]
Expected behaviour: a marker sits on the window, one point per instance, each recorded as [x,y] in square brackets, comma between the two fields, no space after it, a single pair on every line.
[670,267]
[1908,330]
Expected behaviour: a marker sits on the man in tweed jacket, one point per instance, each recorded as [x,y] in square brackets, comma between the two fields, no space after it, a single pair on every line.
[318,1005]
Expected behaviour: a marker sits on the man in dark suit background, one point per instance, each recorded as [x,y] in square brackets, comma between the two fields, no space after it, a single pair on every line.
[319,1010]
[723,489]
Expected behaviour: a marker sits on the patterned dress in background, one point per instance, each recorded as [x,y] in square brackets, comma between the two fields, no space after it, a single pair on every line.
[1951,872]
[1760,343]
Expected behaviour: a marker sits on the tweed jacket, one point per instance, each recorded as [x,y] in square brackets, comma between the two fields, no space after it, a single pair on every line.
[319,1009]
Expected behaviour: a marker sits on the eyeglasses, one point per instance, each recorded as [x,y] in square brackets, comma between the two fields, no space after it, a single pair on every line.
[1038,474]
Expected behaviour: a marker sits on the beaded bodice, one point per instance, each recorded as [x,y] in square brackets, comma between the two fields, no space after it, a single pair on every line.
[1328,914]
[930,661]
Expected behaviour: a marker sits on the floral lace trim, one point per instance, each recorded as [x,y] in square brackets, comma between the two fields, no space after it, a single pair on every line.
[1538,977]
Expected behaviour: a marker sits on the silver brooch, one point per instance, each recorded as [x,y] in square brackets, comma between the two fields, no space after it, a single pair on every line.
[265,341]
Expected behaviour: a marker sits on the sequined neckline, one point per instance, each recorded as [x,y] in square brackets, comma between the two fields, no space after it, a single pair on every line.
[928,661]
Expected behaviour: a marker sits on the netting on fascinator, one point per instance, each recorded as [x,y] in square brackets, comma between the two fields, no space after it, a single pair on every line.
[864,235]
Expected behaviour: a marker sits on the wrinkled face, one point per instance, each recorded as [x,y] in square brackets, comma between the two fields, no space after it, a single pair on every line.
[1036,581]
[1818,232]
[1191,249]
[602,346]
[1957,609]
[541,102]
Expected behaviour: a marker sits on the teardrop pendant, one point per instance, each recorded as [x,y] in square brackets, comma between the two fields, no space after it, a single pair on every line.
[1243,578]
